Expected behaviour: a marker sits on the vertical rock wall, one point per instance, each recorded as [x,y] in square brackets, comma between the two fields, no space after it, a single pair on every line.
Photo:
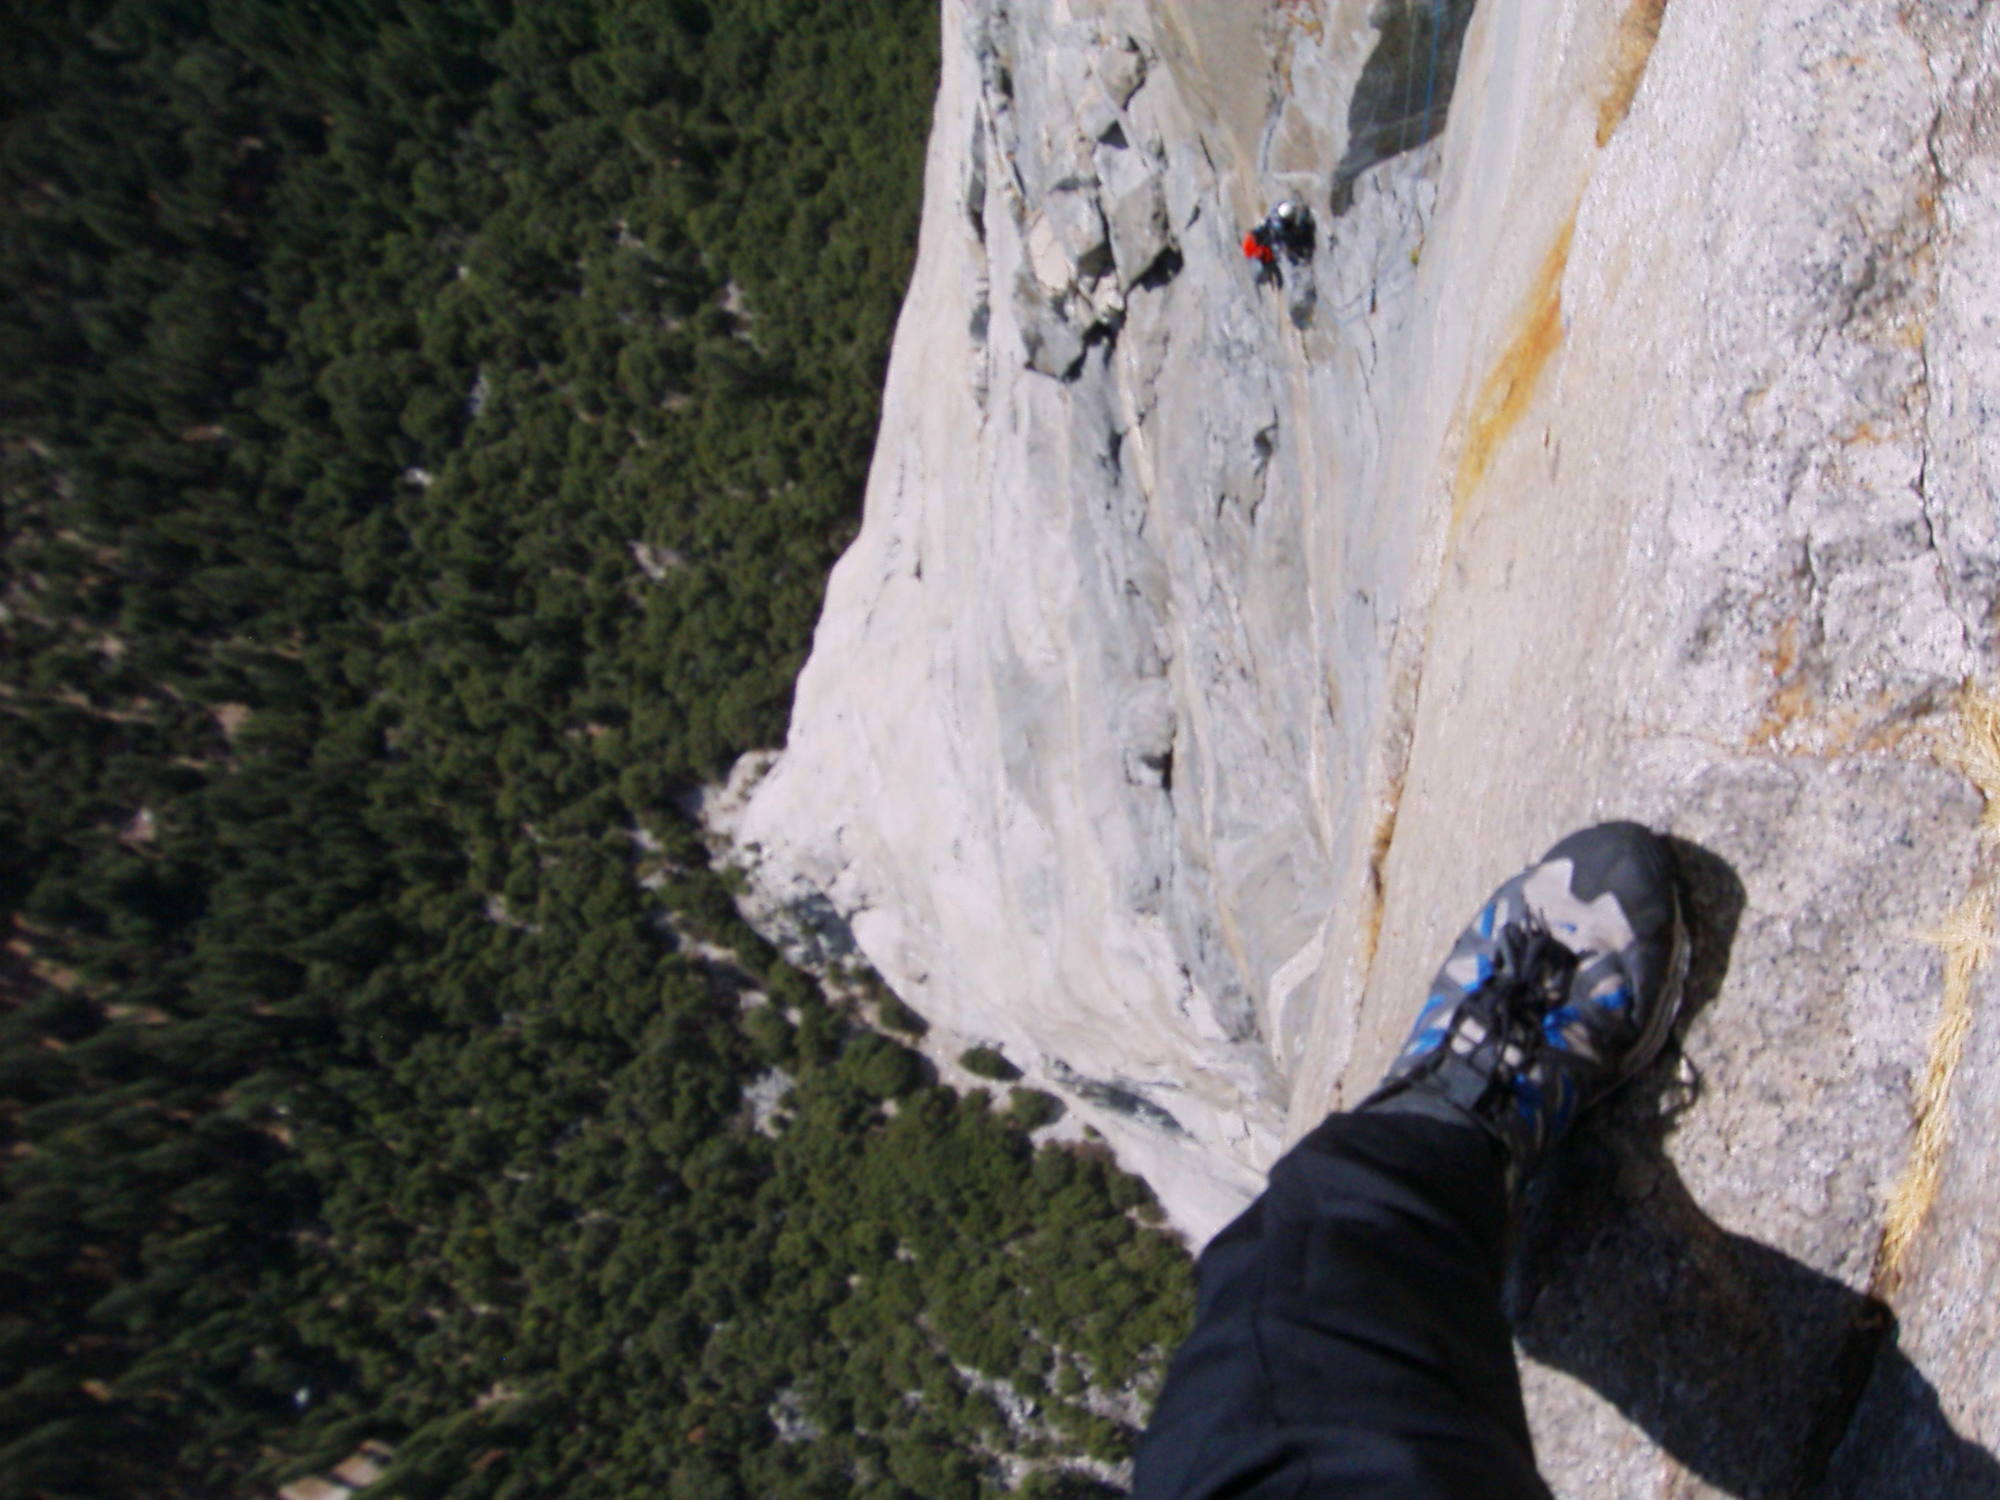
[1064,753]
[1209,650]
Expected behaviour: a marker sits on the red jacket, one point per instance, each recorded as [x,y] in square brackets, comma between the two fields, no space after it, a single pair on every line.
[1256,249]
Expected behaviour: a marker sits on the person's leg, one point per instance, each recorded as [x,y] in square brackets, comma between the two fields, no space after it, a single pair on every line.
[1349,1339]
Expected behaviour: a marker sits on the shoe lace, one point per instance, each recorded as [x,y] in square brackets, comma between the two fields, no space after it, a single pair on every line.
[1495,1079]
[1531,971]
[1529,981]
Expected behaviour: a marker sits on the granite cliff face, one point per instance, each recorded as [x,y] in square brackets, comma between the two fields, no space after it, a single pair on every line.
[1625,449]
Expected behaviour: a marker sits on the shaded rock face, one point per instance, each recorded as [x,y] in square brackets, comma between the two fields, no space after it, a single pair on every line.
[1403,96]
[1627,451]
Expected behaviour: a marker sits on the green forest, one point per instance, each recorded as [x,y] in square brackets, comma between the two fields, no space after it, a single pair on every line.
[425,430]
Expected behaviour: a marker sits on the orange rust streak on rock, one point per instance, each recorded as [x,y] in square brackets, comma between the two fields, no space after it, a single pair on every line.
[1510,384]
[1631,50]
[1790,701]
[1383,836]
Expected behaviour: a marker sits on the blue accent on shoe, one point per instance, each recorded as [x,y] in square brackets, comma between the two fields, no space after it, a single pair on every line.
[1527,1098]
[1486,920]
[1556,1024]
[1618,999]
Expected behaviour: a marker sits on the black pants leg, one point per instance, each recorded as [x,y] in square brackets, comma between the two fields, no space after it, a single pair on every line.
[1349,1340]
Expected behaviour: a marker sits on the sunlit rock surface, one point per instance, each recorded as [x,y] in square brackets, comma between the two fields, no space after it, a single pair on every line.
[1208,651]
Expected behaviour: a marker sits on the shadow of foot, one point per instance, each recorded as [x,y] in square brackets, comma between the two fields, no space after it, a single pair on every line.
[1759,1374]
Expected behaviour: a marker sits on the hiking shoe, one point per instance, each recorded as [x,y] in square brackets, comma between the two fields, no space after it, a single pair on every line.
[1564,986]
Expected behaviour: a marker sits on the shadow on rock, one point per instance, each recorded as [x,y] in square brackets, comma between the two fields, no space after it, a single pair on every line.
[1404,92]
[1761,1375]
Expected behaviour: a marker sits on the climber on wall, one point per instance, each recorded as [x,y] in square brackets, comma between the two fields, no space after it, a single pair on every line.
[1288,227]
[1349,1338]
[1257,246]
